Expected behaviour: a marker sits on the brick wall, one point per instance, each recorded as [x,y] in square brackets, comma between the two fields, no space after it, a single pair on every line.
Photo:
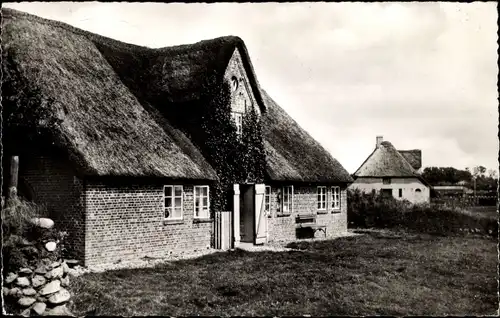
[53,183]
[126,222]
[282,228]
[243,95]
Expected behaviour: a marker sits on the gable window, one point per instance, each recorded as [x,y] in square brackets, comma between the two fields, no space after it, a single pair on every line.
[238,122]
[400,193]
[234,83]
[321,198]
[336,198]
[173,199]
[267,201]
[386,180]
[418,190]
[201,202]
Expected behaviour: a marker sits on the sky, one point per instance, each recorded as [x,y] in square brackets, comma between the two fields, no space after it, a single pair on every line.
[421,74]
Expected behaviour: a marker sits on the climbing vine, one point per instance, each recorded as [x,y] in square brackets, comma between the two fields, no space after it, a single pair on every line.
[235,159]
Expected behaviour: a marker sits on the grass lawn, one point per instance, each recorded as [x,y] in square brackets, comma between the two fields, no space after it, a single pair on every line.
[384,273]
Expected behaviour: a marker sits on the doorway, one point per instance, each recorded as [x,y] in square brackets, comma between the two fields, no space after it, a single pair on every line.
[250,221]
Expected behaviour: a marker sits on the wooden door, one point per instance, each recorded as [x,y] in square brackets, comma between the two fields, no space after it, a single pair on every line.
[260,216]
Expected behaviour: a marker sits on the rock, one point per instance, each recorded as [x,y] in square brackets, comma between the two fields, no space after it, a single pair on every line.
[41,270]
[72,262]
[25,271]
[15,292]
[55,264]
[65,267]
[26,312]
[73,272]
[65,281]
[51,246]
[58,311]
[55,273]
[45,223]
[39,308]
[50,288]
[22,281]
[10,278]
[29,292]
[38,281]
[60,297]
[41,299]
[26,301]
[5,291]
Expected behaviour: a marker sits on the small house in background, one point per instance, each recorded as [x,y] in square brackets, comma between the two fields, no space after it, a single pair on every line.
[393,172]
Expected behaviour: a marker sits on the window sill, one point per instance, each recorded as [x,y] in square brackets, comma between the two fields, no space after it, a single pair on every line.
[202,220]
[322,212]
[165,222]
[336,211]
[283,215]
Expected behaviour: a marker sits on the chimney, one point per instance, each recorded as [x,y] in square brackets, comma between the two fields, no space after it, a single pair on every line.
[379,141]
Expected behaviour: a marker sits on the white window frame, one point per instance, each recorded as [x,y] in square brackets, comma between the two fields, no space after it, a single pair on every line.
[201,196]
[267,200]
[321,198]
[336,198]
[173,197]
[289,195]
[238,122]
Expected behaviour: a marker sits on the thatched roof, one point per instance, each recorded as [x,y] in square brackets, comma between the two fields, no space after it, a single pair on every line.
[127,110]
[414,157]
[105,129]
[386,161]
[292,154]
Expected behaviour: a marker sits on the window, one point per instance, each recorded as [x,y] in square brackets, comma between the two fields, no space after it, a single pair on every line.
[234,83]
[418,190]
[336,198]
[201,202]
[321,198]
[285,200]
[400,193]
[386,180]
[267,200]
[173,202]
[238,121]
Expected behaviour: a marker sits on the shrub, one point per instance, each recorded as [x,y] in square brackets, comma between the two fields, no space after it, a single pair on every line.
[374,210]
[16,216]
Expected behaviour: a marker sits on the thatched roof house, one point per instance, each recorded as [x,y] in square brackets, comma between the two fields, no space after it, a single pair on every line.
[133,177]
[391,169]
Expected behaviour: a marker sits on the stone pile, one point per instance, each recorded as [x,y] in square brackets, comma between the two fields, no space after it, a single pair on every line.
[41,288]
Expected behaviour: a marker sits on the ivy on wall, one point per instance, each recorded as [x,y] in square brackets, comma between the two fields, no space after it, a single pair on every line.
[235,159]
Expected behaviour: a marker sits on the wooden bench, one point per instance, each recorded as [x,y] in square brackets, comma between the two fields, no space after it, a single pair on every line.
[309,221]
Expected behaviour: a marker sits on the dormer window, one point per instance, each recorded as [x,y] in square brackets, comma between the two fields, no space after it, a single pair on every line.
[234,83]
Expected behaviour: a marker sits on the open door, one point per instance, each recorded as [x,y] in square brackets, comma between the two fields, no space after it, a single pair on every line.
[260,216]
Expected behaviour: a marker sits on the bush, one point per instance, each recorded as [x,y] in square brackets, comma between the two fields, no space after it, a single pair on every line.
[16,217]
[23,242]
[374,210]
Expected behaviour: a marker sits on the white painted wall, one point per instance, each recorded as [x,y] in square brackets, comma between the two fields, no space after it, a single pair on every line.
[409,185]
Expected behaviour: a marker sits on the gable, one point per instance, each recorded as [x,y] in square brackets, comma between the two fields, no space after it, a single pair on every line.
[242,96]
